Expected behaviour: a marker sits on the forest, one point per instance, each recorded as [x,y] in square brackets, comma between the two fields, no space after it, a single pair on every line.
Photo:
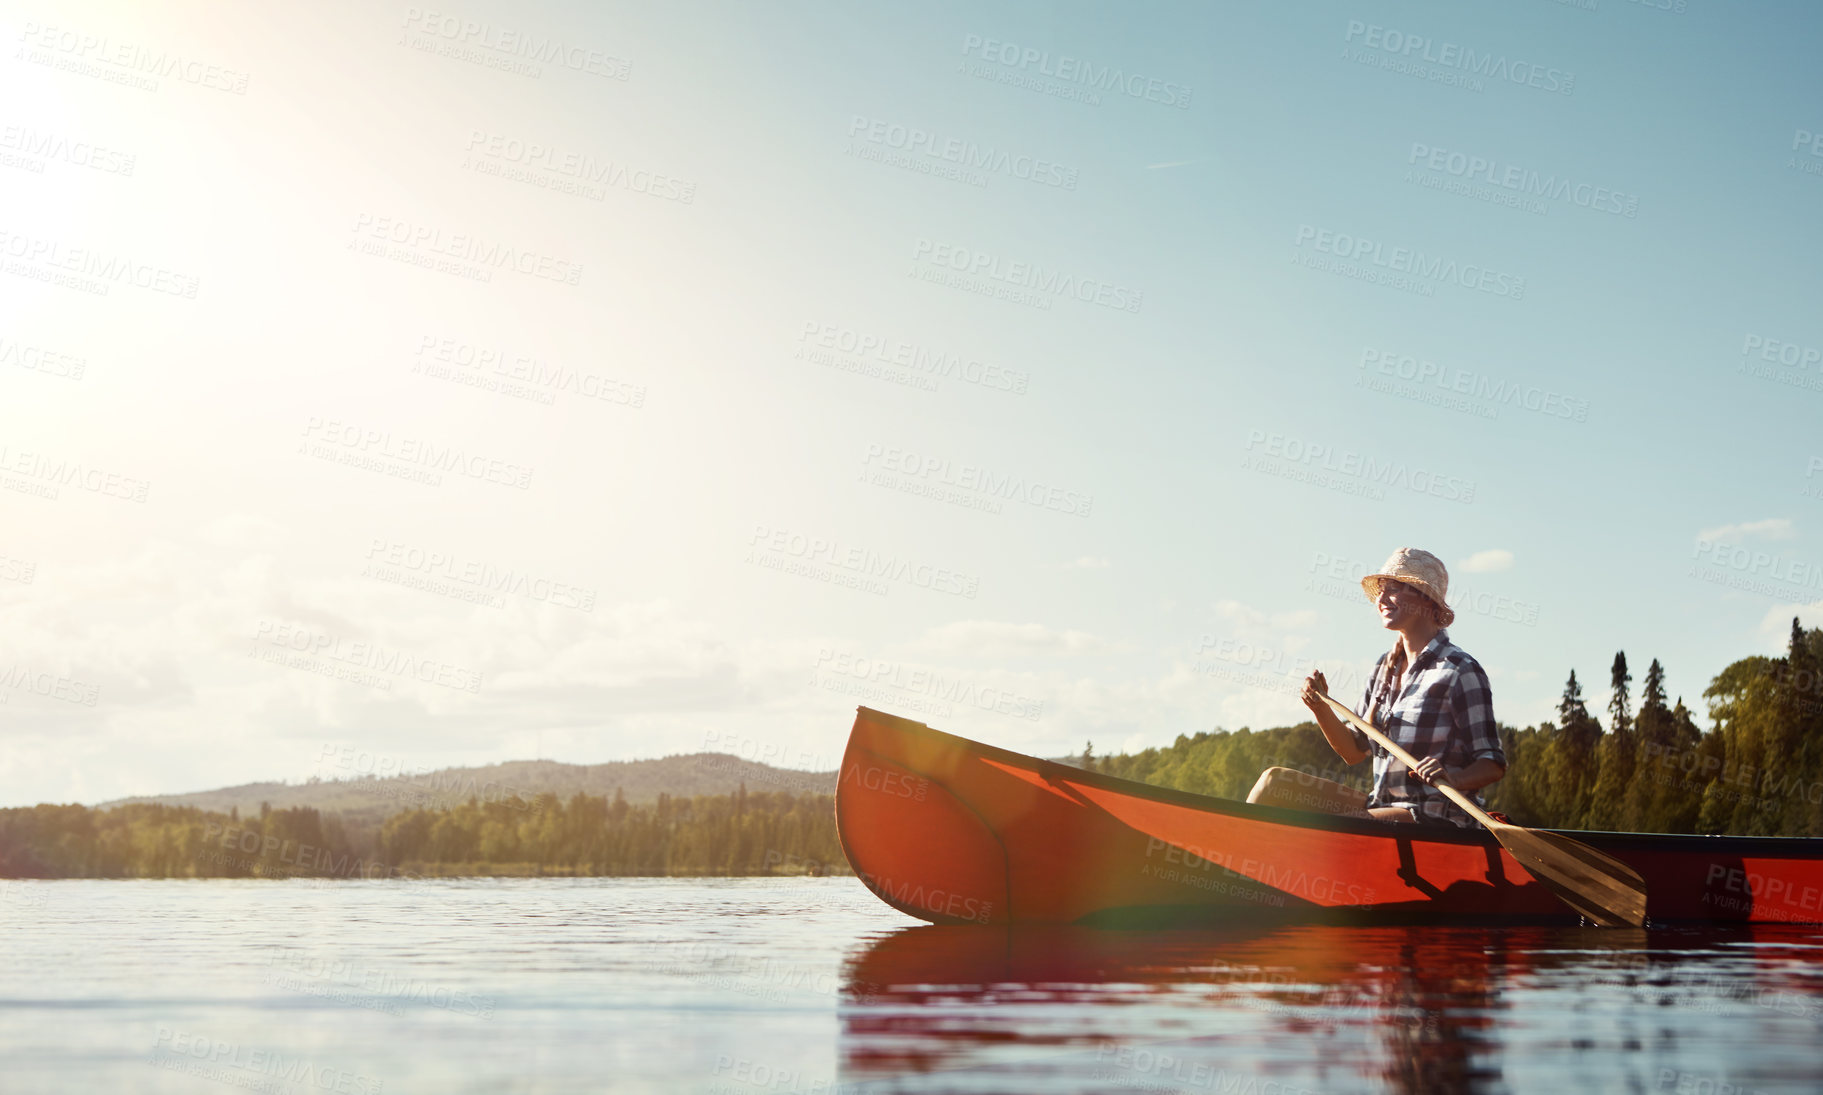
[1757,770]
[762,833]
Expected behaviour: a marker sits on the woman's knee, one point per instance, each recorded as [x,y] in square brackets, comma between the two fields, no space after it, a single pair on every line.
[1264,784]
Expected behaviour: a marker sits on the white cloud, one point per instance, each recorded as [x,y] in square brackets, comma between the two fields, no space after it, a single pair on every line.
[1775,626]
[1486,562]
[235,667]
[1773,528]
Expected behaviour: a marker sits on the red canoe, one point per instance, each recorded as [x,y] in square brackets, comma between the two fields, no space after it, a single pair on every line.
[953,831]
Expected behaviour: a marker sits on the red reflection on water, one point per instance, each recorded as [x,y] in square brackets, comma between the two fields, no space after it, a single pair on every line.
[1400,1009]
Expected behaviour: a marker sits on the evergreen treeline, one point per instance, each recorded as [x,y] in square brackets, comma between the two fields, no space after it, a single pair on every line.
[739,834]
[148,840]
[1758,771]
[765,832]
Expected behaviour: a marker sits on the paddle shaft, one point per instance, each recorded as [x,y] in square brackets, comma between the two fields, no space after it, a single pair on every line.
[1591,882]
[1396,750]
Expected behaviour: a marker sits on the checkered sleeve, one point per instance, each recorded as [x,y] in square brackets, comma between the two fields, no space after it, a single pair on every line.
[1472,710]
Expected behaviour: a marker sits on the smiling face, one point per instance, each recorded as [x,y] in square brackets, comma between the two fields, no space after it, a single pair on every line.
[1402,606]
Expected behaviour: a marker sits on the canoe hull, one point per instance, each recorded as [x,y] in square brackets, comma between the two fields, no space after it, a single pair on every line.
[953,831]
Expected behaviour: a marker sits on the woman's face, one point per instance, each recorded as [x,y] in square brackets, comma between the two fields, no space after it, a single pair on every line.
[1401,605]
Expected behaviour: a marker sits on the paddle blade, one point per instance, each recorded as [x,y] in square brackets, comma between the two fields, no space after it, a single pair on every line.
[1596,885]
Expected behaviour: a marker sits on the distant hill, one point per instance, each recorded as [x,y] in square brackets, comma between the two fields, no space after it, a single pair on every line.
[364,803]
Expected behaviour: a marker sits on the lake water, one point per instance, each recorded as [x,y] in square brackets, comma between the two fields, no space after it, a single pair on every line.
[752,986]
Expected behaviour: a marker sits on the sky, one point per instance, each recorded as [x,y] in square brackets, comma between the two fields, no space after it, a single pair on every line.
[390,387]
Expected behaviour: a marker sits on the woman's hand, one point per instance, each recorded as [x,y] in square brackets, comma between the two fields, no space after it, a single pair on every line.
[1312,685]
[1431,771]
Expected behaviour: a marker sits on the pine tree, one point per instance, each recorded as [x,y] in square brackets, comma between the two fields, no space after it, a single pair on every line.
[1571,709]
[1574,757]
[1653,765]
[1613,756]
[1653,693]
[1620,717]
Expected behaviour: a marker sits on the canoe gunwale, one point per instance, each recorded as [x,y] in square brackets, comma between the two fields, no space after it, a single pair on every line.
[1051,771]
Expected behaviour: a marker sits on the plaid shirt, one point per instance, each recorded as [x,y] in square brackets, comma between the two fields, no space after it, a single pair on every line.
[1443,707]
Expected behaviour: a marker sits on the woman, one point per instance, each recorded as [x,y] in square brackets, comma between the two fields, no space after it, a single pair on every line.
[1425,693]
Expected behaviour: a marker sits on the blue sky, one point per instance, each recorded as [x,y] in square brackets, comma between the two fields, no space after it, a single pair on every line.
[774,360]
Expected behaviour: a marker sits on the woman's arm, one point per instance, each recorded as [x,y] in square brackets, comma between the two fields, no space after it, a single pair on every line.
[1468,779]
[1340,737]
[1472,709]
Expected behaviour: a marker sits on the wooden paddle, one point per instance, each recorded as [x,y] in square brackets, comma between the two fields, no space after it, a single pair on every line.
[1596,885]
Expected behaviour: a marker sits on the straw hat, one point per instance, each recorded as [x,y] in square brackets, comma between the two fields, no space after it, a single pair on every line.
[1419,569]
